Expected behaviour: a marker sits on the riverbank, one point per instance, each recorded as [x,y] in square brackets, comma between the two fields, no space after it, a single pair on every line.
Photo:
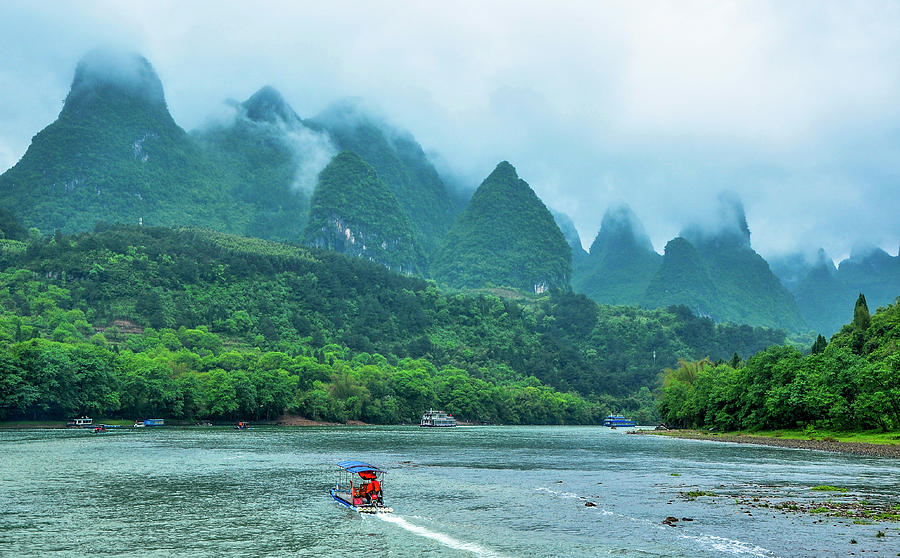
[293,420]
[890,448]
[284,420]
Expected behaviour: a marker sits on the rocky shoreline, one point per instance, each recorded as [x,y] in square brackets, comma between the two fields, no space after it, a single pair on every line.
[855,448]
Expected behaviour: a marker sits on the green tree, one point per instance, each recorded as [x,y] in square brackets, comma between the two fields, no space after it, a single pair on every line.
[860,324]
[861,316]
[819,345]
[16,394]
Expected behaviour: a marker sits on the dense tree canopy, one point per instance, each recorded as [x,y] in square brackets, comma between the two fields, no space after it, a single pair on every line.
[161,307]
[851,383]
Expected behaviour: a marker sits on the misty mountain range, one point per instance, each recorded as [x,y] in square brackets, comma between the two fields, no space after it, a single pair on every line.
[346,181]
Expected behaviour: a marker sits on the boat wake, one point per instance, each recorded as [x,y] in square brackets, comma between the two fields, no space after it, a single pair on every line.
[730,546]
[445,540]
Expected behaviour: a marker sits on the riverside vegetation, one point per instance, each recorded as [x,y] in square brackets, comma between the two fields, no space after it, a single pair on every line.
[850,383]
[220,327]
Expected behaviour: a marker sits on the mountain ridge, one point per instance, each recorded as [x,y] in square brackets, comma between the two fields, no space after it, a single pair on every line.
[621,261]
[713,270]
[505,236]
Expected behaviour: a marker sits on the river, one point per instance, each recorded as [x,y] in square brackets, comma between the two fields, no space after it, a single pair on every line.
[465,491]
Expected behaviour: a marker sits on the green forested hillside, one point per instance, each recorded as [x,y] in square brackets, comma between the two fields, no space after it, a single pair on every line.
[269,153]
[504,237]
[726,282]
[683,277]
[821,296]
[567,227]
[710,268]
[747,290]
[183,322]
[822,290]
[850,383]
[873,271]
[115,155]
[10,228]
[621,262]
[401,164]
[353,212]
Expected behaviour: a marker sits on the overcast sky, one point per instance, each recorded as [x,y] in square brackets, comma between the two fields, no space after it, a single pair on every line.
[794,106]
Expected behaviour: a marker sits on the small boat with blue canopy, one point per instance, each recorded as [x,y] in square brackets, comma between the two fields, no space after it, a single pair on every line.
[614,421]
[359,487]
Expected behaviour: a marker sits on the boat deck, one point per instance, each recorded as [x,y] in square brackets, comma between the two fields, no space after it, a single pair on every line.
[344,498]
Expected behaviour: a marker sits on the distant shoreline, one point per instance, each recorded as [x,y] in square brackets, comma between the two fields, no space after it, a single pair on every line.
[285,420]
[853,448]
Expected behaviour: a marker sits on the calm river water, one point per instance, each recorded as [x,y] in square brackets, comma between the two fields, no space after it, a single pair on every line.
[467,491]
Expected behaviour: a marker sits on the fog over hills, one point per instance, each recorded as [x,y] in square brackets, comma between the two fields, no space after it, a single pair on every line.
[115,154]
[790,106]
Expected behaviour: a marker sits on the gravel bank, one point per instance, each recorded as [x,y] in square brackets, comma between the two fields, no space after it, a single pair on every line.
[855,448]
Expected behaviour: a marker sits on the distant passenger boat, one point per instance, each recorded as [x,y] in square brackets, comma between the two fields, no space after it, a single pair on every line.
[437,418]
[83,422]
[617,420]
[154,422]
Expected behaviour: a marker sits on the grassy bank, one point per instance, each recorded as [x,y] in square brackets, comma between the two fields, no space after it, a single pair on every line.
[891,438]
[864,437]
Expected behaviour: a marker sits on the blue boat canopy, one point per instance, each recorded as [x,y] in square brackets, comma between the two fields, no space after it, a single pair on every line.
[358,467]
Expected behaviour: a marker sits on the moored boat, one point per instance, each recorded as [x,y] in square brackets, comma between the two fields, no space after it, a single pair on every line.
[617,420]
[81,422]
[359,487]
[434,418]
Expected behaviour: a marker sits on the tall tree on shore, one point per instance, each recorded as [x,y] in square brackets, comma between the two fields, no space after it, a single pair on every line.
[861,316]
[861,321]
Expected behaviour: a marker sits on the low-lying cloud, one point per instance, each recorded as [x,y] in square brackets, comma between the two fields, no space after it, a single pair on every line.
[792,106]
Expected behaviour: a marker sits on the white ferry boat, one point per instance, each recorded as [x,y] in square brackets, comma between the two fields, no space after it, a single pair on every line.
[81,422]
[437,418]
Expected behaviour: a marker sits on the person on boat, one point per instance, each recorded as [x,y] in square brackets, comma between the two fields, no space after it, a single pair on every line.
[376,490]
[372,491]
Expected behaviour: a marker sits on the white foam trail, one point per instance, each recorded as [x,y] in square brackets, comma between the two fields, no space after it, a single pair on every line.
[730,546]
[560,494]
[445,540]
